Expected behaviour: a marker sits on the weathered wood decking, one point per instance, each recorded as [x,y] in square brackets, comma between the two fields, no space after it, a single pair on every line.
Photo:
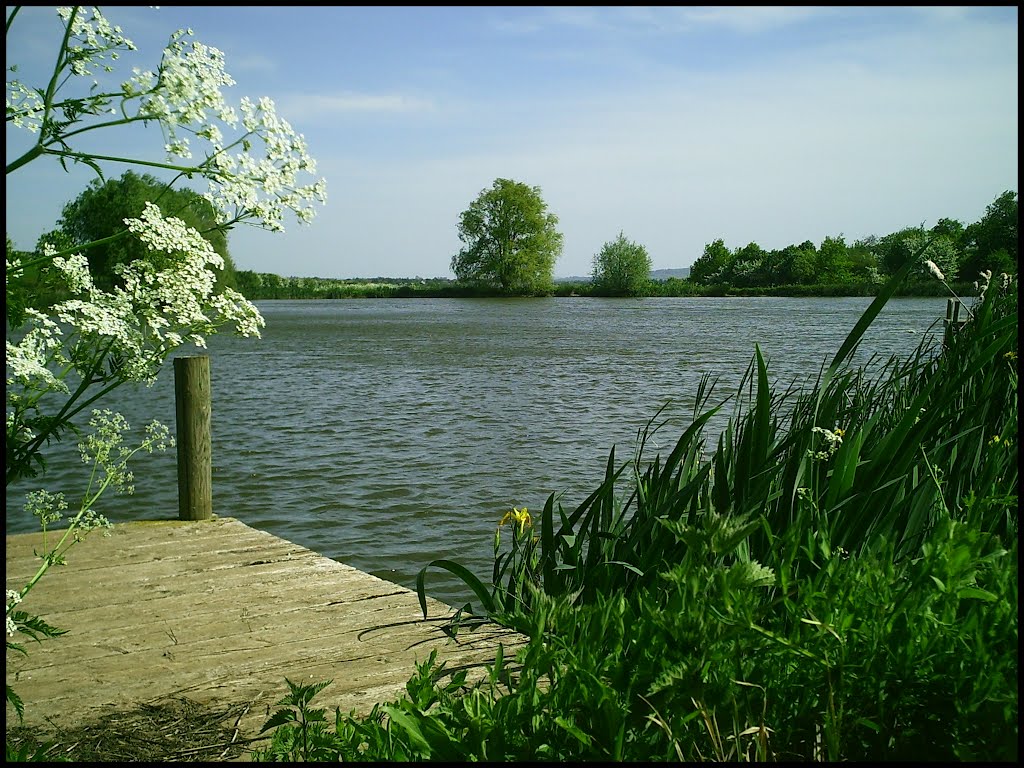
[218,612]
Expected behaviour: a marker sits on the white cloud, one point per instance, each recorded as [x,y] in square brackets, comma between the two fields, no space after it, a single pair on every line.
[658,19]
[321,104]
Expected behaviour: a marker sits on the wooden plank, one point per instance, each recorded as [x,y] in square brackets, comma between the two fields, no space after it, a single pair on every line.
[221,613]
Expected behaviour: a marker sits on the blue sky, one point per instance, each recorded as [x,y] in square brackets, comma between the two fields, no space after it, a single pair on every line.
[674,125]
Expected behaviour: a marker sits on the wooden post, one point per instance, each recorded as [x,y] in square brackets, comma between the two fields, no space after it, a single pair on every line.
[953,320]
[192,411]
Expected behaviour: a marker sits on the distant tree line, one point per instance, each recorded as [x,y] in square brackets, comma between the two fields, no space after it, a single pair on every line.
[495,244]
[960,252]
[511,243]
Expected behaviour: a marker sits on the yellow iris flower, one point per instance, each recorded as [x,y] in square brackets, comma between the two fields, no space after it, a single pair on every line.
[520,517]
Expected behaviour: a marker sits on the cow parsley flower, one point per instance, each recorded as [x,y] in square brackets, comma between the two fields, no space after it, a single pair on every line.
[832,439]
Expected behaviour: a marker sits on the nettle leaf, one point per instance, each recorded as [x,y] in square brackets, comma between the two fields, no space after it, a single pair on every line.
[34,626]
[678,672]
[281,717]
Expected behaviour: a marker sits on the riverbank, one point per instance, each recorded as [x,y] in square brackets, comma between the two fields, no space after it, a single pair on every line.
[260,286]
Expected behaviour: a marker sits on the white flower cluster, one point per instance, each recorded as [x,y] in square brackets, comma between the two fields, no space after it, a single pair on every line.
[29,361]
[265,188]
[105,447]
[75,270]
[164,302]
[13,598]
[186,95]
[48,507]
[25,107]
[832,439]
[186,91]
[91,39]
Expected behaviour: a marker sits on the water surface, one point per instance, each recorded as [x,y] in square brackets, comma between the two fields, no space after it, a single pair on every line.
[386,433]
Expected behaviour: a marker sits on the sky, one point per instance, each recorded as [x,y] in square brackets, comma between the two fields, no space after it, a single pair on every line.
[673,125]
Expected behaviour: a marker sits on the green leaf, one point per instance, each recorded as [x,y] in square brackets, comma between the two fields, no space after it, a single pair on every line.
[467,576]
[868,724]
[573,730]
[15,701]
[628,566]
[281,717]
[409,727]
[976,593]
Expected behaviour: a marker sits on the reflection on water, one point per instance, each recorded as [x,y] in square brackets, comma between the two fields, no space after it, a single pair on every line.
[388,433]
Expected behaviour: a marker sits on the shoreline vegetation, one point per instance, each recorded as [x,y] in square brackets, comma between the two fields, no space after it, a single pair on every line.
[262,286]
[959,256]
[835,578]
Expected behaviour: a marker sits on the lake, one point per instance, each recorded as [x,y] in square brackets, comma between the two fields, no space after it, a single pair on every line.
[386,433]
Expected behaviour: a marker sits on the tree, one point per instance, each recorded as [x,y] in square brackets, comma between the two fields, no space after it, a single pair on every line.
[950,228]
[863,261]
[621,268]
[748,266]
[100,210]
[991,242]
[710,267]
[897,248]
[798,264]
[833,261]
[894,249]
[511,242]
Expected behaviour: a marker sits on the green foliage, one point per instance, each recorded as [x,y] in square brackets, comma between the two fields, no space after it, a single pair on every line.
[724,658]
[836,581]
[833,262]
[301,731]
[908,244]
[833,269]
[29,750]
[621,268]
[710,267]
[991,243]
[97,216]
[266,285]
[511,240]
[748,266]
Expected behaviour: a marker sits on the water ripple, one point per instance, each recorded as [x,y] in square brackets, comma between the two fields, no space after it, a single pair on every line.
[389,433]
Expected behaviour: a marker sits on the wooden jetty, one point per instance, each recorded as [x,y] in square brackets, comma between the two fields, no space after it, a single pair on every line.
[219,613]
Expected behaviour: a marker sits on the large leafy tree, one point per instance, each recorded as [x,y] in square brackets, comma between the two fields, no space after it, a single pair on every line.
[863,260]
[747,267]
[833,264]
[100,210]
[895,249]
[711,266]
[991,242]
[511,240]
[797,264]
[621,268]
